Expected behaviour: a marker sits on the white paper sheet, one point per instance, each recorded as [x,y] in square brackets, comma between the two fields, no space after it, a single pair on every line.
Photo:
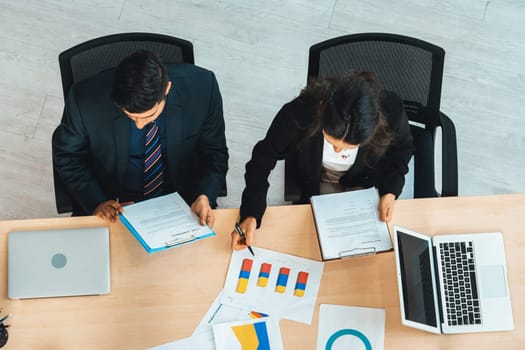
[201,341]
[348,224]
[165,221]
[261,334]
[350,327]
[220,313]
[266,299]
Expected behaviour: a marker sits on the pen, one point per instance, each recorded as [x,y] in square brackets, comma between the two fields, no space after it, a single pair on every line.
[243,236]
[4,318]
[116,209]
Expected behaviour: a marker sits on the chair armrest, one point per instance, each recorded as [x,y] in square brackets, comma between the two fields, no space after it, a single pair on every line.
[449,157]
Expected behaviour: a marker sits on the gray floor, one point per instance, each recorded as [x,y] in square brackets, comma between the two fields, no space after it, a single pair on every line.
[258,50]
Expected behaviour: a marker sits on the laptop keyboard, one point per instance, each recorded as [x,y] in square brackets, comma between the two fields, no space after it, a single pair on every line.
[459,282]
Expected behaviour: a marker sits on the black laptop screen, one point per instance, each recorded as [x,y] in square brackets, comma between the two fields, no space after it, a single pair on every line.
[416,279]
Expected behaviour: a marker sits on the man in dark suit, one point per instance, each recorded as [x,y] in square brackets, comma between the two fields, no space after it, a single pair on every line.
[112,119]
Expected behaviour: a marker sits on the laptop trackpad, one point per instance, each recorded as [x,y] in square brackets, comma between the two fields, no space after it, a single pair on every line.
[493,281]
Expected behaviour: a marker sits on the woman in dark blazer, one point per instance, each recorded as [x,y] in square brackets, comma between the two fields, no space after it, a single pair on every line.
[343,134]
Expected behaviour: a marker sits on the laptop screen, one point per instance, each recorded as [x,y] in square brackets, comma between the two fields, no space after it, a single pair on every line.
[416,278]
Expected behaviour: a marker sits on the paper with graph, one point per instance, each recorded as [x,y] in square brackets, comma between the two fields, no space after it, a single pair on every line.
[350,327]
[277,284]
[260,334]
[220,313]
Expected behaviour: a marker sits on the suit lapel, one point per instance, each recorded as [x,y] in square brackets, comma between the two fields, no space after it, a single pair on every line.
[121,135]
[360,158]
[173,132]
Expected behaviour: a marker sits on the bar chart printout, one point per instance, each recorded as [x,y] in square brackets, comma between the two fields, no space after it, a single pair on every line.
[273,283]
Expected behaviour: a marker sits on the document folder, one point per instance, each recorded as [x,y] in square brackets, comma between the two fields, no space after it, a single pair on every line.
[348,224]
[163,222]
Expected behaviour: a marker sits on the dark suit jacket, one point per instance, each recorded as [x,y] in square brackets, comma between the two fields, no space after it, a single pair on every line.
[91,144]
[285,139]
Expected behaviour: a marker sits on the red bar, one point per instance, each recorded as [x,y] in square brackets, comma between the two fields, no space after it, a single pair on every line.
[302,277]
[265,267]
[247,265]
[284,271]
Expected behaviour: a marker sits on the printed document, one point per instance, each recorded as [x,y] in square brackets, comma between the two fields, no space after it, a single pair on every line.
[163,222]
[348,224]
[273,283]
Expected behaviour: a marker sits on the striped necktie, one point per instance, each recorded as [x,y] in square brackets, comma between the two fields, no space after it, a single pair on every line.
[152,163]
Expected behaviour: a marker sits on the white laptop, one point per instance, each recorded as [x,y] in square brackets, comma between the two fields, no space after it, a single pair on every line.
[452,283]
[56,263]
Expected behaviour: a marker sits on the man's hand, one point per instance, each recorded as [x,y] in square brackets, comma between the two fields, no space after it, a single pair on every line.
[201,207]
[386,206]
[109,210]
[248,226]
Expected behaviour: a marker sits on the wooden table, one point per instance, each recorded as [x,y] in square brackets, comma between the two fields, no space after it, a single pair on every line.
[161,297]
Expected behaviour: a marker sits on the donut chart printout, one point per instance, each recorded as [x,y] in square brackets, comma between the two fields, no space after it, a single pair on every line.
[277,284]
[350,327]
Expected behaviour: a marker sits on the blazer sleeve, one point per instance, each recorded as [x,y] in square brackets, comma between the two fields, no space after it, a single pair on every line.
[401,149]
[71,157]
[281,137]
[212,151]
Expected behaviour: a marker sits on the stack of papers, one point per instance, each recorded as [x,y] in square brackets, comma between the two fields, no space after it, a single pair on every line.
[246,313]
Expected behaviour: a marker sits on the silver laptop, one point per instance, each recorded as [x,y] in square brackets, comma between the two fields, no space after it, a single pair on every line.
[56,263]
[452,283]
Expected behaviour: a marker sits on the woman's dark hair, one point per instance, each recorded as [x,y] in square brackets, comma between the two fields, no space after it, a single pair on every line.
[139,82]
[349,110]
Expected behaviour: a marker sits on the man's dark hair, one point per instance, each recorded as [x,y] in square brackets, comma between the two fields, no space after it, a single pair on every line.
[139,82]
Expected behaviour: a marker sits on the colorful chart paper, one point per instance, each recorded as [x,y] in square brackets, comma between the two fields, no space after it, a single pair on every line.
[259,334]
[220,313]
[350,327]
[280,285]
[252,336]
[254,314]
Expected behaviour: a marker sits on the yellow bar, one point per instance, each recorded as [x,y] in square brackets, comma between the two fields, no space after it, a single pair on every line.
[280,289]
[262,282]
[242,285]
[299,293]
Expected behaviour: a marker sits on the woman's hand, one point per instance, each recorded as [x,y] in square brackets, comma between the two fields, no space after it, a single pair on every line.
[248,226]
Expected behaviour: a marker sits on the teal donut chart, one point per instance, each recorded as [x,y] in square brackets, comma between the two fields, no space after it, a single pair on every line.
[342,332]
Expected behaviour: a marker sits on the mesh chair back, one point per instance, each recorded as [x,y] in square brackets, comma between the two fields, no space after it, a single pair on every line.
[92,57]
[410,67]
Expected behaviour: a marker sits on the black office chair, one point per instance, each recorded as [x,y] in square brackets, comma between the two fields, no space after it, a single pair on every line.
[94,56]
[414,70]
